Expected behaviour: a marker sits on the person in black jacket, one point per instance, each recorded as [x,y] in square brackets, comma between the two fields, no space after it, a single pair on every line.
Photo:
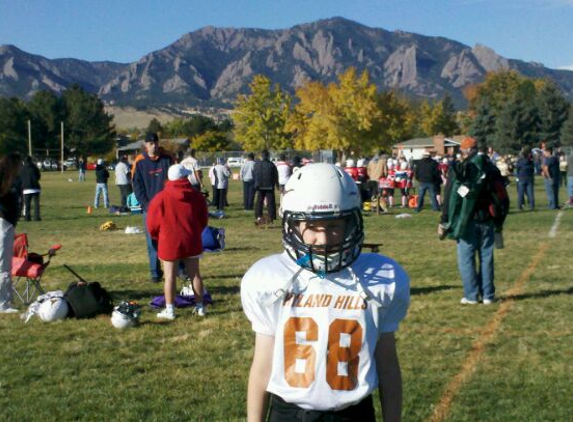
[10,207]
[30,179]
[525,172]
[428,176]
[266,180]
[101,184]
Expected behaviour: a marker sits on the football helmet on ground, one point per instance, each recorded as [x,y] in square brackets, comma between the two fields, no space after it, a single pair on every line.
[126,315]
[324,196]
[53,309]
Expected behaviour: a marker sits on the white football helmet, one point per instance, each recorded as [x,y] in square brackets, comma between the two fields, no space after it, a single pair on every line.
[125,315]
[322,193]
[350,163]
[53,309]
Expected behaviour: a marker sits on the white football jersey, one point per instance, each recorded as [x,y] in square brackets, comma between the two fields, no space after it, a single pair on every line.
[191,163]
[325,330]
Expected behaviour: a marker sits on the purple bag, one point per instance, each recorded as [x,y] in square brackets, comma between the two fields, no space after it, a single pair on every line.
[181,301]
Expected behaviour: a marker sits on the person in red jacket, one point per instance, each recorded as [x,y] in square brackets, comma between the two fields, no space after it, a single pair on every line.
[176,218]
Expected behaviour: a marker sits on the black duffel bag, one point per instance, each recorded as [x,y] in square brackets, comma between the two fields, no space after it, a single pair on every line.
[86,299]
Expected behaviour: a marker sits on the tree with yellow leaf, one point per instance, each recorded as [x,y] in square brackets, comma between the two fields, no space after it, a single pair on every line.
[260,117]
[340,116]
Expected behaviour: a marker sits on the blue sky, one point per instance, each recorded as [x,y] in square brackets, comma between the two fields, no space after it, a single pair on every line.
[125,30]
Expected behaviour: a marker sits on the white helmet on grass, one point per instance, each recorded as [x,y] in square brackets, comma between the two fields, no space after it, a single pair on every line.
[322,193]
[53,309]
[125,315]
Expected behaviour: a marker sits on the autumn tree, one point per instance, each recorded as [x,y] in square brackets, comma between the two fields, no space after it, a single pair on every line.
[340,116]
[396,121]
[439,118]
[211,141]
[260,117]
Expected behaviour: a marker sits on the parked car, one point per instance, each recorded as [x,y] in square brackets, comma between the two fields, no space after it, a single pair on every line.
[235,161]
[48,164]
[70,163]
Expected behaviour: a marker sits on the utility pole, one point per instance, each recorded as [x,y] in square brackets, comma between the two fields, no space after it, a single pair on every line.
[62,148]
[29,137]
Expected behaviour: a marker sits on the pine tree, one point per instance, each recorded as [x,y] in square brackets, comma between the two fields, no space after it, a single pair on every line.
[566,134]
[552,111]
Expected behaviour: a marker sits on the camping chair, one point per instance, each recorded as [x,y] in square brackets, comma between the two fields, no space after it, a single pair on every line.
[28,268]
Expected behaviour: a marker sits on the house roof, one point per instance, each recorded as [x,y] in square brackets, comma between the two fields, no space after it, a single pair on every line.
[425,143]
[139,144]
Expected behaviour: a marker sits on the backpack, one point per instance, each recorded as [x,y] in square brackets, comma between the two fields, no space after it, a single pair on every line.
[485,196]
[87,300]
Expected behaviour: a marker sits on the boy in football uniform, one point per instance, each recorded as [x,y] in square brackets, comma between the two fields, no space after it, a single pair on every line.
[323,313]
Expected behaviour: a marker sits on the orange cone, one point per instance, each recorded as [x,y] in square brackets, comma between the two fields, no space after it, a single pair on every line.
[90,209]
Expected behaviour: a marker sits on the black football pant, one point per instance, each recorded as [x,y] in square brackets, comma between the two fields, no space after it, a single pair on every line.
[27,205]
[269,195]
[281,411]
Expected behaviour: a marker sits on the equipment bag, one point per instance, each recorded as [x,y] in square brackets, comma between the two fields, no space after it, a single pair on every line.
[87,300]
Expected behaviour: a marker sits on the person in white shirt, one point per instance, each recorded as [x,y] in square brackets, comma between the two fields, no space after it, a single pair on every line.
[221,178]
[284,170]
[247,176]
[123,180]
[196,176]
[324,314]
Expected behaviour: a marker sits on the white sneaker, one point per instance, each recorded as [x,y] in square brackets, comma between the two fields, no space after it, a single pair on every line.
[488,301]
[9,311]
[201,310]
[465,301]
[166,314]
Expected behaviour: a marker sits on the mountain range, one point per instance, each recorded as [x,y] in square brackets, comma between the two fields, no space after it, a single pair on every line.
[212,65]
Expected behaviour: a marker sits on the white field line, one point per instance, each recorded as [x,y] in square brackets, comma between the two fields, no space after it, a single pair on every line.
[553,231]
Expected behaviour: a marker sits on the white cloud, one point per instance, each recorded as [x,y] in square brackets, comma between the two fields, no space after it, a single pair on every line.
[570,67]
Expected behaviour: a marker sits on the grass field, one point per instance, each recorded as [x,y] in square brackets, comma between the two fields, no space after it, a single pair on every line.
[511,361]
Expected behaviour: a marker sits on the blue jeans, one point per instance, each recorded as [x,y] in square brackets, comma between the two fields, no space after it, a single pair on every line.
[570,187]
[101,188]
[422,188]
[552,191]
[525,188]
[249,195]
[154,265]
[478,241]
[6,254]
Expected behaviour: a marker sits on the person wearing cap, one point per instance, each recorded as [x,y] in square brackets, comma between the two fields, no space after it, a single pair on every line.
[102,175]
[428,176]
[149,174]
[176,217]
[467,217]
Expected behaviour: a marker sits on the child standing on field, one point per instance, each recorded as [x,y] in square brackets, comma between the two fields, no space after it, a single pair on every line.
[176,218]
[324,314]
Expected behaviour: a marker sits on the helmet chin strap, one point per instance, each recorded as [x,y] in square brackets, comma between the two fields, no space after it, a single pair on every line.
[282,291]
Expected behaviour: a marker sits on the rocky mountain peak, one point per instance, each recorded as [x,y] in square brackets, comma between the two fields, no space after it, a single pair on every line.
[214,64]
